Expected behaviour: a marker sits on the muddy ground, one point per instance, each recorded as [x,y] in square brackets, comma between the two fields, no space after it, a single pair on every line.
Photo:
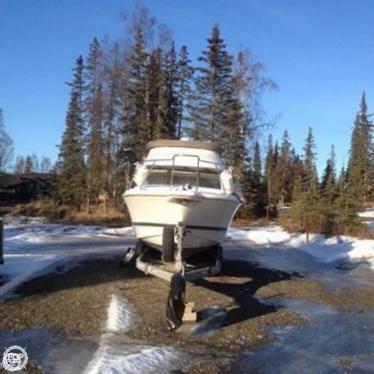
[75,302]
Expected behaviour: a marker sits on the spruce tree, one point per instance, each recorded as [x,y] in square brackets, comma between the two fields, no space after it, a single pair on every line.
[309,160]
[112,100]
[270,164]
[360,164]
[71,184]
[29,167]
[257,162]
[94,110]
[137,131]
[329,193]
[212,90]
[158,98]
[184,80]
[284,170]
[170,70]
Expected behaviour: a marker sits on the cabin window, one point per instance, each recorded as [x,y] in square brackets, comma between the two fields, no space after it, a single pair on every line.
[183,177]
[209,180]
[158,176]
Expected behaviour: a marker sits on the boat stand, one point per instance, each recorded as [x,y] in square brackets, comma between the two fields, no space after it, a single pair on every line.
[177,273]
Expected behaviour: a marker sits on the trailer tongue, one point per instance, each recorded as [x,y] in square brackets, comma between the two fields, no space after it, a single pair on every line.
[177,273]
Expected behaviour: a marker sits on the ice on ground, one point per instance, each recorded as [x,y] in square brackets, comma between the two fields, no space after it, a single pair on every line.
[19,268]
[368,213]
[116,356]
[325,249]
[269,235]
[316,347]
[113,359]
[367,217]
[120,315]
[126,231]
[32,248]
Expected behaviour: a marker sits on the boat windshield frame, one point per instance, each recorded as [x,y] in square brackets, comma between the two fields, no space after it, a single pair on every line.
[217,167]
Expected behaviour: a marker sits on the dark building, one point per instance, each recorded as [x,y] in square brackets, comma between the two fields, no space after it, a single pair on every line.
[16,188]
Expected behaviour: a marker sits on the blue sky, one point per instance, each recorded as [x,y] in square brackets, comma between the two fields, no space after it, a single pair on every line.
[320,54]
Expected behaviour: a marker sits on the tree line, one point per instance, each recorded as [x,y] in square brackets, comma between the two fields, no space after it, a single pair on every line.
[327,204]
[32,164]
[126,93]
[130,91]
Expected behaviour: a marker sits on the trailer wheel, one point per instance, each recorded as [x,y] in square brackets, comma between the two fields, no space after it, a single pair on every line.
[175,304]
[168,244]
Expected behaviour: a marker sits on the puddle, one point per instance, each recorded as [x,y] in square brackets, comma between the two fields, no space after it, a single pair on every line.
[335,337]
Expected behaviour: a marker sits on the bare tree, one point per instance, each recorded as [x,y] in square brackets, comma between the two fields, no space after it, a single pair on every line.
[6,145]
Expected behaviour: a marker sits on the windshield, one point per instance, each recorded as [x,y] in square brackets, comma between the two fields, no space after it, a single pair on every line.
[185,177]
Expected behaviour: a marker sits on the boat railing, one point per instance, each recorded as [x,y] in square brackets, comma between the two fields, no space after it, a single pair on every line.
[199,162]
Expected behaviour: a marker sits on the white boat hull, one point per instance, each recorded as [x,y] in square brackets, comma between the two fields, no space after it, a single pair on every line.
[205,216]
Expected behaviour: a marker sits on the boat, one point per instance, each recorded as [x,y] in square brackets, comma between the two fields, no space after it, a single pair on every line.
[181,204]
[186,183]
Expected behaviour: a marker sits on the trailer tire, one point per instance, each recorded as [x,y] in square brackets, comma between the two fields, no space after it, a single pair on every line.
[168,244]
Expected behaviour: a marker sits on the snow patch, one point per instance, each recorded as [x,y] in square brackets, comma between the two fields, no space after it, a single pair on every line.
[144,360]
[120,315]
[20,268]
[126,231]
[112,357]
[325,249]
[368,213]
[262,236]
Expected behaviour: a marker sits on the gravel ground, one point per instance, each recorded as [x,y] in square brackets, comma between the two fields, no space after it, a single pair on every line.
[75,302]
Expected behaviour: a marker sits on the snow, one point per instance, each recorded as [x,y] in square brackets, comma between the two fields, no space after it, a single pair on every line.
[127,231]
[144,360]
[367,217]
[33,247]
[324,249]
[368,213]
[269,236]
[19,268]
[114,356]
[120,315]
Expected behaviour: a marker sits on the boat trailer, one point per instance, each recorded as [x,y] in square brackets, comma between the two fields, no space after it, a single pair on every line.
[177,273]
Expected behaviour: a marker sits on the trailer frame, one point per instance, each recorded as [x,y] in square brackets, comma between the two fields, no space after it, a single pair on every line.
[177,273]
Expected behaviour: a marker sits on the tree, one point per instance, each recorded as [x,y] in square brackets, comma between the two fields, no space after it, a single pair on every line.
[6,145]
[270,163]
[29,166]
[257,168]
[157,98]
[212,90]
[45,164]
[329,193]
[94,109]
[35,162]
[171,99]
[310,160]
[19,167]
[283,170]
[113,73]
[137,132]
[71,181]
[361,158]
[184,78]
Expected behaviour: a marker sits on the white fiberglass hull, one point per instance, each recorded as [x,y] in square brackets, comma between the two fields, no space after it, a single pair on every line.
[206,216]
